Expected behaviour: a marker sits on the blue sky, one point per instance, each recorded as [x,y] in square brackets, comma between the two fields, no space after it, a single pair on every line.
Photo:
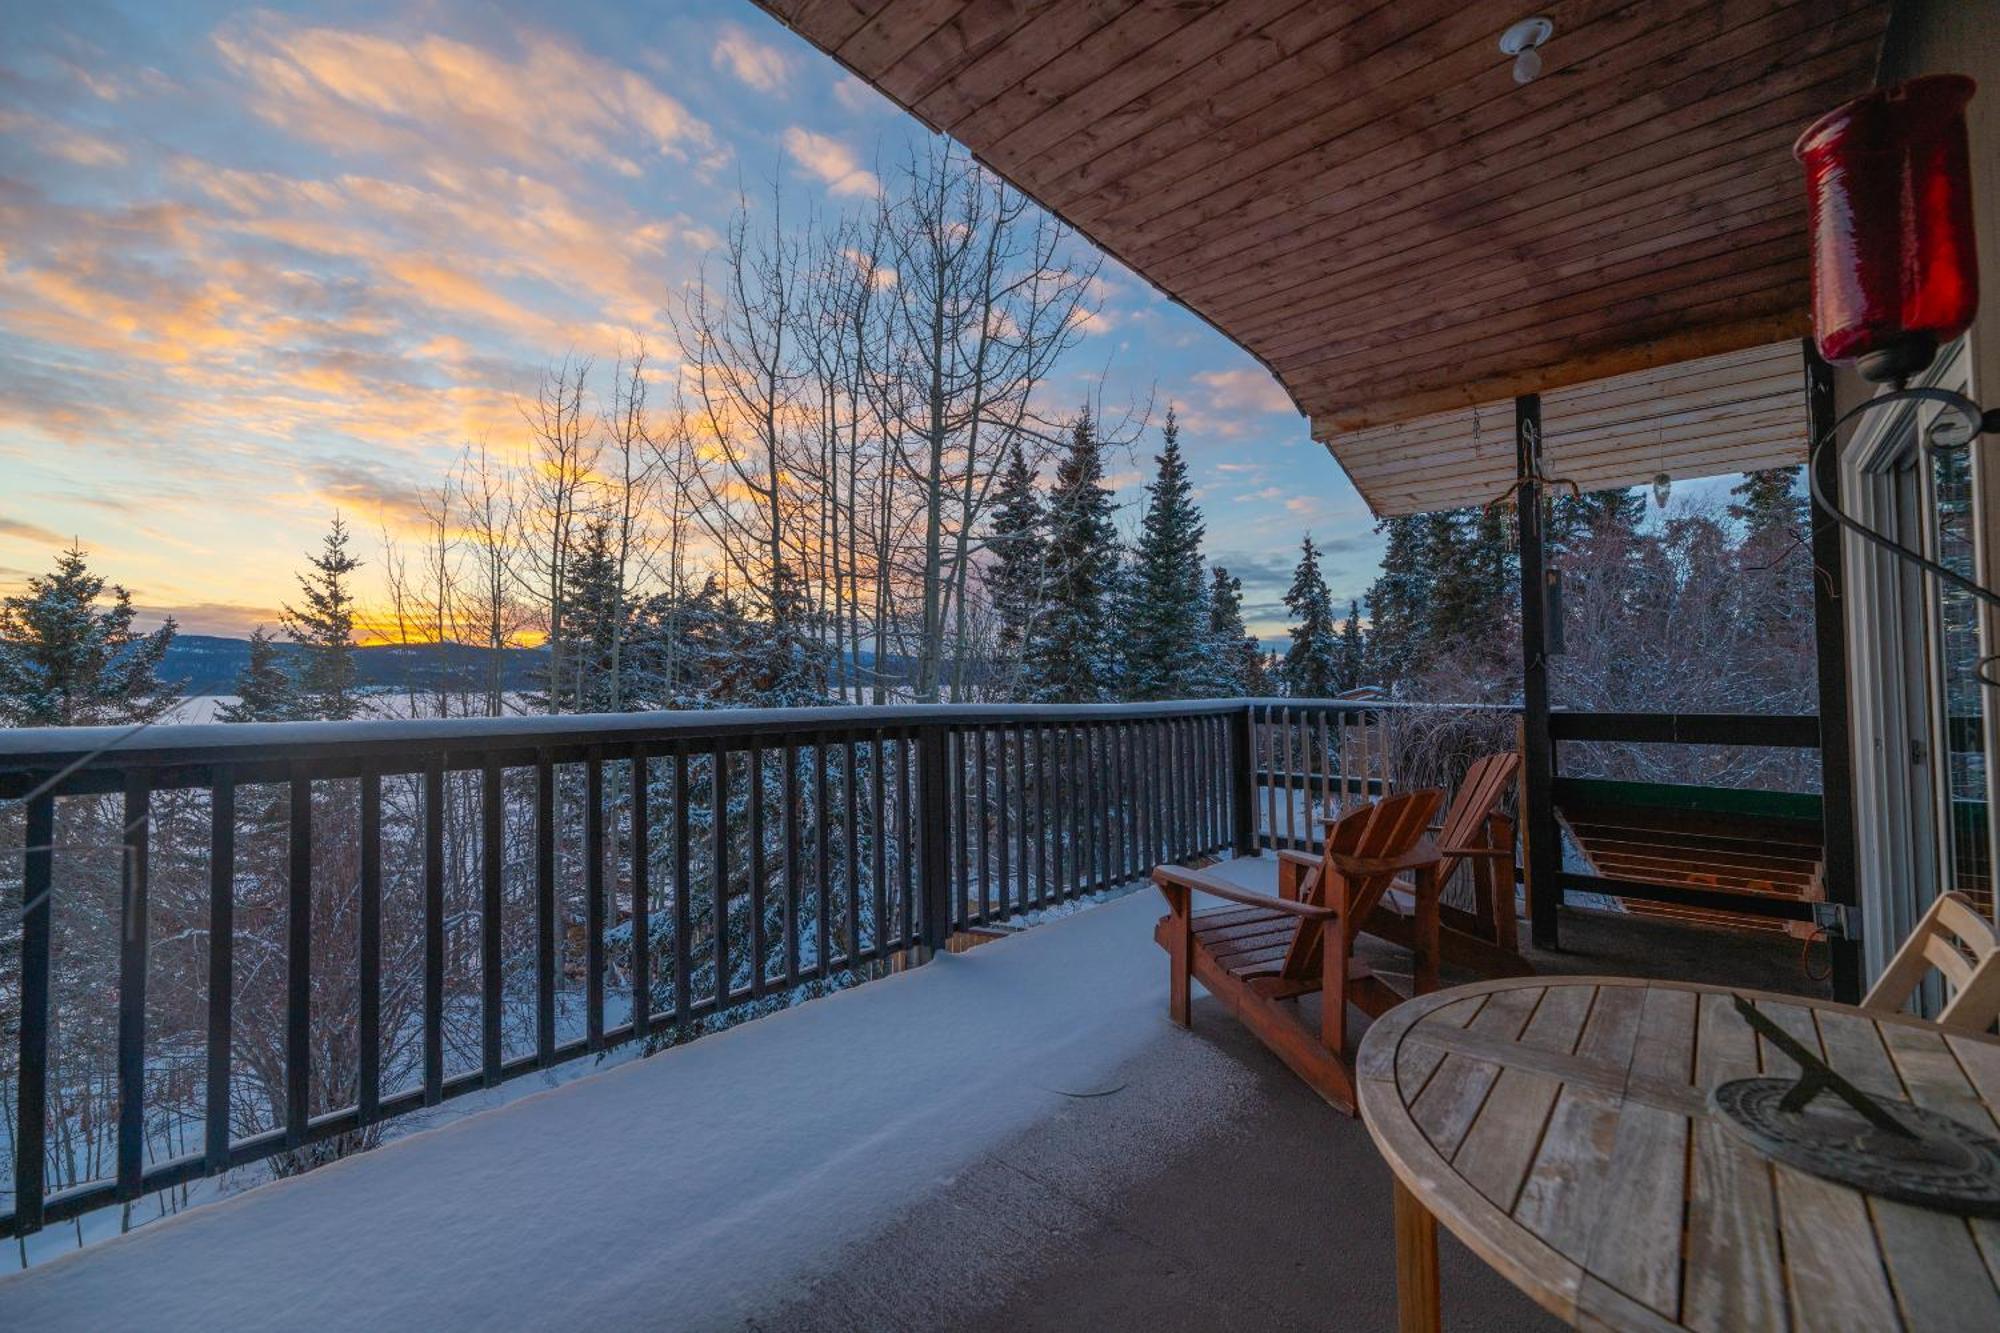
[261,264]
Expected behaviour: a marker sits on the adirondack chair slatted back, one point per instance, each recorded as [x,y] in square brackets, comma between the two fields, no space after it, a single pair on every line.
[1486,781]
[1387,829]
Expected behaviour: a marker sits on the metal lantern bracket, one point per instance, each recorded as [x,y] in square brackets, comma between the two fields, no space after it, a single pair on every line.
[1974,422]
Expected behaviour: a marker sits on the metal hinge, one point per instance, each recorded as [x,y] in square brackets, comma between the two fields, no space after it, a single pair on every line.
[1838,920]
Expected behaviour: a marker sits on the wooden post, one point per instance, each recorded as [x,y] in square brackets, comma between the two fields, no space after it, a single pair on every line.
[934,833]
[1417,1305]
[1542,851]
[1243,781]
[1836,754]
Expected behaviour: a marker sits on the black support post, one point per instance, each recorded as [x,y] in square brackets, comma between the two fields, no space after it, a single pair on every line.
[1543,851]
[934,834]
[1242,783]
[1830,640]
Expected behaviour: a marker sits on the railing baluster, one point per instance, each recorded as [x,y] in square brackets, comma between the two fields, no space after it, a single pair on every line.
[852,807]
[1160,782]
[492,868]
[1177,735]
[1270,765]
[878,845]
[1205,807]
[434,930]
[683,916]
[31,1112]
[961,881]
[718,784]
[593,906]
[1106,793]
[758,944]
[545,909]
[298,963]
[642,895]
[822,863]
[981,827]
[221,962]
[368,1095]
[1128,852]
[905,840]
[1041,876]
[1023,862]
[1004,898]
[790,821]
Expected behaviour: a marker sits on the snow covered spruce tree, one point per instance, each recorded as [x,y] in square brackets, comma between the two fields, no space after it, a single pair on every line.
[323,628]
[1234,661]
[68,661]
[1014,580]
[264,689]
[1163,632]
[1069,656]
[1312,663]
[1353,665]
[1399,601]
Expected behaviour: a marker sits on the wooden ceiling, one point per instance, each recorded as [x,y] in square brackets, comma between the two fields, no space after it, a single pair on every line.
[1358,193]
[1733,412]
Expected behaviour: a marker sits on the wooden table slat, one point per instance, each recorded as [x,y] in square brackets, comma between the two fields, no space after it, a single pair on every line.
[1559,1199]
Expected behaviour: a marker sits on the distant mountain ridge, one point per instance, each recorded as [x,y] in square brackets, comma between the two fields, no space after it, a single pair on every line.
[210,664]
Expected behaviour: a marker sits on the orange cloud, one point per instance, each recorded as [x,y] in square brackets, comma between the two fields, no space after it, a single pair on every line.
[432,99]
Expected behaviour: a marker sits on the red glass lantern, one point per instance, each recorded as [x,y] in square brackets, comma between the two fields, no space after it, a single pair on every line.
[1889,186]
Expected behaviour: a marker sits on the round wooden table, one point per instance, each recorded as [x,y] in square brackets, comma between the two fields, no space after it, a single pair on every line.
[1560,1128]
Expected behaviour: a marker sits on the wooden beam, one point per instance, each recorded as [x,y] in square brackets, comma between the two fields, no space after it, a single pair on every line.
[1542,853]
[1836,751]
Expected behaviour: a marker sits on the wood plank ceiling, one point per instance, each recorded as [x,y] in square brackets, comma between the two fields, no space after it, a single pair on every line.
[1358,192]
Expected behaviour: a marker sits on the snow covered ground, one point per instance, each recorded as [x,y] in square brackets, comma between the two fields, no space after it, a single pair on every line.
[687,1190]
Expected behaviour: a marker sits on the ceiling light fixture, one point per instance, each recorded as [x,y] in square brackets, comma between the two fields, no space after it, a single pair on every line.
[1522,41]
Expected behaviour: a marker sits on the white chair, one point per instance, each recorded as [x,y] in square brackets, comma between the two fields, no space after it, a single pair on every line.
[1960,944]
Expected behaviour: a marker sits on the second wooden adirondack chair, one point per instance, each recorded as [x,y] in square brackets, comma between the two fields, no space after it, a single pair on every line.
[1261,954]
[1474,833]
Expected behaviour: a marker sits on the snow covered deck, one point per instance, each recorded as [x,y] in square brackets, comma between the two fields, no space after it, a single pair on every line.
[1011,1137]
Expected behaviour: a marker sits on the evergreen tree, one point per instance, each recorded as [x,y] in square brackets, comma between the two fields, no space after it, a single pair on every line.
[1770,504]
[323,628]
[1069,655]
[1312,663]
[264,689]
[1399,601]
[66,661]
[1572,518]
[1015,576]
[591,606]
[1353,659]
[1474,591]
[1234,663]
[1163,631]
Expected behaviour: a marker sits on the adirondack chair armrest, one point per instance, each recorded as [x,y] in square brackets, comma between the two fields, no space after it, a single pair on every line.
[1194,880]
[1423,854]
[1303,860]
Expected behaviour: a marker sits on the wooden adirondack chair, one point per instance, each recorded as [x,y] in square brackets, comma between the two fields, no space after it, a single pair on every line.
[1485,940]
[1261,952]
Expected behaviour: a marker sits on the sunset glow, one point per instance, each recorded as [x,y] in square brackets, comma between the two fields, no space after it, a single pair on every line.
[261,265]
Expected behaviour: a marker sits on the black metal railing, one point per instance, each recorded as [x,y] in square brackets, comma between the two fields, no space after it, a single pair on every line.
[248,942]
[320,926]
